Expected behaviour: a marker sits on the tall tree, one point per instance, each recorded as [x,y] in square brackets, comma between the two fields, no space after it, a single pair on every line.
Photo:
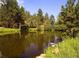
[11,13]
[46,16]
[8,12]
[67,15]
[21,16]
[76,14]
[40,17]
[52,19]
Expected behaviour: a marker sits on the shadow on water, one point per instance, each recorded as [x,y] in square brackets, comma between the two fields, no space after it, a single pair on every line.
[24,45]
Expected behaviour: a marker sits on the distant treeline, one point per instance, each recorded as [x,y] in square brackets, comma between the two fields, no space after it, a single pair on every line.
[12,15]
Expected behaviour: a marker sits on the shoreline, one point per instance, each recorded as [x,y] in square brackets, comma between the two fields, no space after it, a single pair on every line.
[5,31]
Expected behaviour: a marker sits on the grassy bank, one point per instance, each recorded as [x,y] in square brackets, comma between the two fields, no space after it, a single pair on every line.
[36,29]
[4,31]
[67,49]
[32,30]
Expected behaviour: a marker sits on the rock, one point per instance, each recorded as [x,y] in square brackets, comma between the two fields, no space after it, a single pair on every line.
[41,56]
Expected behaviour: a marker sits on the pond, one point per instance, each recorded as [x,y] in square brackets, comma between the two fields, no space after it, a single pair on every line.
[25,45]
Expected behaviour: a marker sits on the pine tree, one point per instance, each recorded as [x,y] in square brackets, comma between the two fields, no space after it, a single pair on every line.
[68,15]
[40,17]
[8,12]
[11,14]
[77,14]
[52,19]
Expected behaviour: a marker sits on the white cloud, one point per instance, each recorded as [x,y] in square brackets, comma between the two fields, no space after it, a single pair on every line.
[20,2]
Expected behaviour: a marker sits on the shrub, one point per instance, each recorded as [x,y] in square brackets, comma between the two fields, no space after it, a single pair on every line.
[67,49]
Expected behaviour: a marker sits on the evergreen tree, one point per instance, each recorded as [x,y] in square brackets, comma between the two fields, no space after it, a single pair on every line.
[77,14]
[8,12]
[69,15]
[40,17]
[46,16]
[11,14]
[20,16]
[52,19]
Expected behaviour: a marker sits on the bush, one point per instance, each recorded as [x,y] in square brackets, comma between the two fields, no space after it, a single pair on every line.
[67,49]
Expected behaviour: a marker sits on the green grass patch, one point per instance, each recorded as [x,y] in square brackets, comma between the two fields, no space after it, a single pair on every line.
[32,29]
[4,31]
[67,49]
[36,29]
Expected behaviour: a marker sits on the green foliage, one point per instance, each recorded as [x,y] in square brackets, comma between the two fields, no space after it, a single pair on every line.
[68,18]
[4,31]
[38,20]
[12,15]
[52,19]
[60,27]
[8,12]
[69,48]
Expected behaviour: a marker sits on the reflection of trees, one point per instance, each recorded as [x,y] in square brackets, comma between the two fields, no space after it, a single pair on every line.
[11,45]
[14,45]
[43,40]
[25,37]
[40,41]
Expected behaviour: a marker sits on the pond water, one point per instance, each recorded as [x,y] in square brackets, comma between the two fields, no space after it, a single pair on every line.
[26,45]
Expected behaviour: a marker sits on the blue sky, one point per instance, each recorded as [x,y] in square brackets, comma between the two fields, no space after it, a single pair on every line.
[49,6]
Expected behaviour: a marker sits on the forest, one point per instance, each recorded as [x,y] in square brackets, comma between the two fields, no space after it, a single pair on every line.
[13,16]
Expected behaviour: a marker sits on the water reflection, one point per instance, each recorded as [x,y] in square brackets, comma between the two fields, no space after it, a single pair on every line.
[25,44]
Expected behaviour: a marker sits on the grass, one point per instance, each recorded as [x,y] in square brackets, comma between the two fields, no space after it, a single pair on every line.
[4,31]
[67,49]
[32,29]
[36,29]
